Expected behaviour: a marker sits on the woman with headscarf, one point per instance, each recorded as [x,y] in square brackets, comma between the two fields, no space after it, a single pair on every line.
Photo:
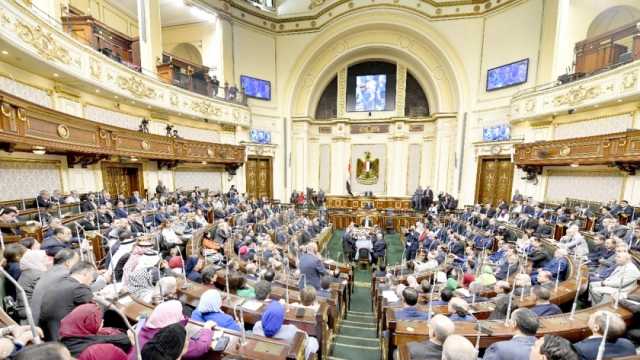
[467,279]
[33,264]
[169,313]
[487,278]
[272,325]
[170,343]
[103,352]
[209,310]
[83,328]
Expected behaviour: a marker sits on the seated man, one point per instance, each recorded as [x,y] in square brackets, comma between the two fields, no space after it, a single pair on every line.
[459,310]
[381,272]
[325,287]
[556,266]
[615,346]
[552,347]
[445,296]
[519,347]
[61,239]
[440,327]
[545,279]
[543,307]
[263,289]
[457,347]
[507,268]
[409,311]
[621,281]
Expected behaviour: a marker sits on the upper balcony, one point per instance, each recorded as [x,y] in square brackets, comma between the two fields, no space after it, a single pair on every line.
[56,52]
[606,71]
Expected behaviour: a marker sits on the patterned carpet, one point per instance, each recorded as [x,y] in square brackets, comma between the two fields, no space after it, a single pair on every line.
[356,338]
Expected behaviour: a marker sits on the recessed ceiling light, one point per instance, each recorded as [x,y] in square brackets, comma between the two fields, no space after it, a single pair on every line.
[97,90]
[204,163]
[55,75]
[133,102]
[133,158]
[619,100]
[39,150]
[116,96]
[574,165]
[596,105]
[5,52]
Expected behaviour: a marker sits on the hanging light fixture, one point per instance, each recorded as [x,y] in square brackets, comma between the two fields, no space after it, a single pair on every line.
[39,150]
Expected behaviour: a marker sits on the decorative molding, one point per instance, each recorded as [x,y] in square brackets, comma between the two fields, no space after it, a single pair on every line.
[27,124]
[596,90]
[401,85]
[41,41]
[372,129]
[342,92]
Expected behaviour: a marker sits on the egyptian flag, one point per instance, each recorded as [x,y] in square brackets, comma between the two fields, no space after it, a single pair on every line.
[349,179]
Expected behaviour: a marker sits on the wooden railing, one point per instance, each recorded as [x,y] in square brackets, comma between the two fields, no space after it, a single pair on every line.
[605,50]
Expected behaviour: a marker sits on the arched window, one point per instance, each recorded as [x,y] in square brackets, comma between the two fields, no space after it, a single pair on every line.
[328,105]
[187,52]
[415,101]
[613,18]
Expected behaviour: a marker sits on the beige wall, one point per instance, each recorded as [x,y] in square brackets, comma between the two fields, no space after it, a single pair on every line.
[108,14]
[200,35]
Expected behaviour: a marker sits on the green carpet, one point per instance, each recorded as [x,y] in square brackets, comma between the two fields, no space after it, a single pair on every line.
[356,338]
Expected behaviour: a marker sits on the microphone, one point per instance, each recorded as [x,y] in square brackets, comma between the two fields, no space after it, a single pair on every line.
[604,338]
[185,285]
[109,305]
[27,307]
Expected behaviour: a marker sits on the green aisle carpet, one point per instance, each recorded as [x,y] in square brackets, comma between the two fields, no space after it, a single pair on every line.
[356,337]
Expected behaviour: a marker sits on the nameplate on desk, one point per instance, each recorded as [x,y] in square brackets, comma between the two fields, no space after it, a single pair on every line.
[252,305]
[269,348]
[126,300]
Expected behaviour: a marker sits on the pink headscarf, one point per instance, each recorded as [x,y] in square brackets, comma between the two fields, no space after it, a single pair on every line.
[167,313]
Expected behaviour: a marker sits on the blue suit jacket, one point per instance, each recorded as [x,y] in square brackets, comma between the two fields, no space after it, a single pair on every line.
[411,313]
[552,267]
[518,348]
[546,309]
[313,269]
[588,348]
[121,213]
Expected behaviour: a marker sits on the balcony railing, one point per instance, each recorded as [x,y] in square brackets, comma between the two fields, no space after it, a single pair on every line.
[613,48]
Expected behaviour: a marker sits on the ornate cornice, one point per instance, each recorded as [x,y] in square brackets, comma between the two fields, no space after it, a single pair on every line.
[21,28]
[322,12]
[600,89]
[26,124]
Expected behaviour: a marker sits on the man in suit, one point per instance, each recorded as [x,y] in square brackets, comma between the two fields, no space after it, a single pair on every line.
[543,307]
[409,311]
[622,280]
[121,212]
[379,248]
[61,239]
[555,266]
[161,189]
[574,242]
[615,346]
[43,199]
[519,347]
[311,266]
[440,327]
[71,291]
[135,198]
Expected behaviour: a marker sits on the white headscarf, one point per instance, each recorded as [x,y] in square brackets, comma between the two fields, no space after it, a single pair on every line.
[35,260]
[210,301]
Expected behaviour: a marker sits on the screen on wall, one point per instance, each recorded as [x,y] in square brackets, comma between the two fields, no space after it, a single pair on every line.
[496,133]
[256,88]
[508,75]
[371,92]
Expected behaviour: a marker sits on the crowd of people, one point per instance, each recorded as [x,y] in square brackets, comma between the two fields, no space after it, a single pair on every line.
[464,256]
[151,246]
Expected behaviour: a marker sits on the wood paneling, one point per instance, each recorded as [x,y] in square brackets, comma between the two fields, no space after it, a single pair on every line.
[259,177]
[27,124]
[602,51]
[494,180]
[122,178]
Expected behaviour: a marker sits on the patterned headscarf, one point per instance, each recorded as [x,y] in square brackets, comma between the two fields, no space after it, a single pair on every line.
[140,283]
[210,302]
[132,263]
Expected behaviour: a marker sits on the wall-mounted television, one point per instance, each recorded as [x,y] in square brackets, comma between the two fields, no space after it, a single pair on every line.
[256,88]
[260,136]
[508,75]
[496,133]
[371,92]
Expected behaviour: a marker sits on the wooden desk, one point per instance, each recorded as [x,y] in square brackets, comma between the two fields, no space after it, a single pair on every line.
[255,347]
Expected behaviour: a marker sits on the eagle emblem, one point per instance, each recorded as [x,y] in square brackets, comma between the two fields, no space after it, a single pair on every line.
[367,170]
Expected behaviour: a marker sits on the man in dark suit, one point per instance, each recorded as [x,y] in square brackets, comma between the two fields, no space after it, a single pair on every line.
[521,343]
[440,327]
[89,204]
[379,248]
[71,291]
[409,311]
[43,199]
[61,239]
[615,346]
[121,212]
[135,198]
[311,266]
[543,307]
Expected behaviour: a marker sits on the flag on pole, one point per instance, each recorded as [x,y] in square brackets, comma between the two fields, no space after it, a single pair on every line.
[349,178]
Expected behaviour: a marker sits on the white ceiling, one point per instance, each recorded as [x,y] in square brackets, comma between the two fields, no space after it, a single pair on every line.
[172,12]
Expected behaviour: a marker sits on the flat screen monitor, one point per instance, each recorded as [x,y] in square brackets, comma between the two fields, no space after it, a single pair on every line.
[508,75]
[371,92]
[496,133]
[256,88]
[260,136]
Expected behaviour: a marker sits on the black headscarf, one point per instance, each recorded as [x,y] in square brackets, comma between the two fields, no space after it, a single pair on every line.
[167,344]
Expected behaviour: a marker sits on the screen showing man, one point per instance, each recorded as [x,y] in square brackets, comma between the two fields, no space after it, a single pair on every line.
[371,92]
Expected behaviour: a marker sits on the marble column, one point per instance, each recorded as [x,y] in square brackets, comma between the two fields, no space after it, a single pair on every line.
[444,150]
[150,34]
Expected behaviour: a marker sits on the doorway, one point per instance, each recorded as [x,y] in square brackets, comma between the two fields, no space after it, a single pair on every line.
[259,177]
[122,179]
[494,180]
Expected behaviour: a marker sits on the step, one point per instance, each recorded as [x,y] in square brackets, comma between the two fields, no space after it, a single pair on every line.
[356,340]
[369,324]
[357,331]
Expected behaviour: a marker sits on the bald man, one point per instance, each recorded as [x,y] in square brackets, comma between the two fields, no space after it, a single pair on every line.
[457,347]
[622,280]
[616,345]
[440,327]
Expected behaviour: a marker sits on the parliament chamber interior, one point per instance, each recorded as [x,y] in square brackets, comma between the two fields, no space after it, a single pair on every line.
[319,179]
